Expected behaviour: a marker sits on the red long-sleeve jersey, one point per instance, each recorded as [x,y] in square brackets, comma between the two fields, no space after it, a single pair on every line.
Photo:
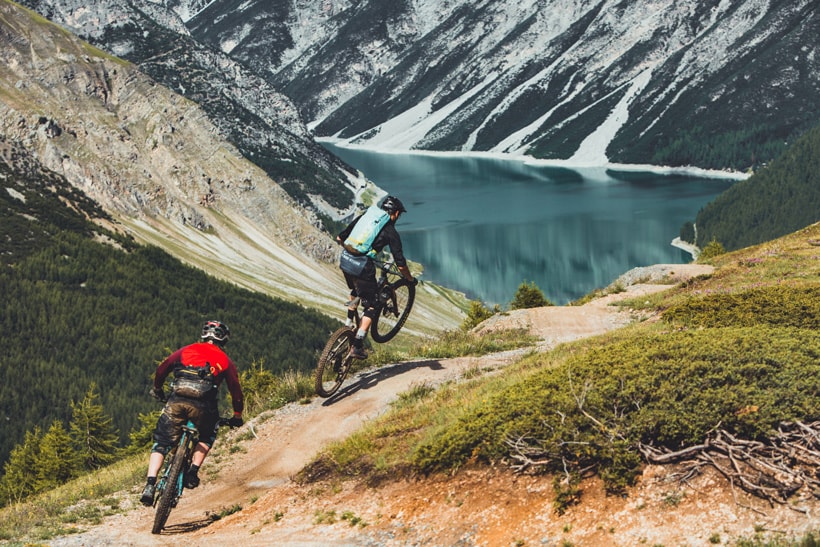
[204,354]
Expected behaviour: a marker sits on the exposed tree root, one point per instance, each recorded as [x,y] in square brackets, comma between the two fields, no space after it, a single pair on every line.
[774,470]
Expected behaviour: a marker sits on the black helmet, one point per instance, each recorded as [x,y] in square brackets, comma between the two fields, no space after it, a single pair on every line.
[392,204]
[216,331]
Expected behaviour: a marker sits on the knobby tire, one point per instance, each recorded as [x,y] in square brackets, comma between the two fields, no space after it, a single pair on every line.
[334,363]
[394,312]
[168,497]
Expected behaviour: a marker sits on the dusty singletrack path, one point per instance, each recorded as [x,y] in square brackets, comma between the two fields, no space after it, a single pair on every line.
[491,507]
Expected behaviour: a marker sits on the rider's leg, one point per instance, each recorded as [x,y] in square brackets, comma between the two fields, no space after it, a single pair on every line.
[353,303]
[357,349]
[192,476]
[207,418]
[155,463]
[366,289]
[364,327]
[164,436]
[200,452]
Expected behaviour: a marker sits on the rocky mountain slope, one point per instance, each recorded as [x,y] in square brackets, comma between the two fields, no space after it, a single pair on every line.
[244,108]
[714,84]
[717,84]
[155,161]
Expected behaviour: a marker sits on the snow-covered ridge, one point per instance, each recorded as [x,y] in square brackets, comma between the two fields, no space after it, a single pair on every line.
[593,81]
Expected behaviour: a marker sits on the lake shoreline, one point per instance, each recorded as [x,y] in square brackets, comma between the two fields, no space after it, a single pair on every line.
[688,247]
[566,164]
[483,225]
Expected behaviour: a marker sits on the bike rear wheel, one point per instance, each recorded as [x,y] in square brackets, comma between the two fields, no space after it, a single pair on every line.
[168,496]
[334,363]
[395,310]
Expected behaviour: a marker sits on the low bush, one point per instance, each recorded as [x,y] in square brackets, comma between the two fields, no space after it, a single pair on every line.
[590,411]
[478,313]
[776,305]
[529,295]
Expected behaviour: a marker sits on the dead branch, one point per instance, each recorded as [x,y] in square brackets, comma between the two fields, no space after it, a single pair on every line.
[773,470]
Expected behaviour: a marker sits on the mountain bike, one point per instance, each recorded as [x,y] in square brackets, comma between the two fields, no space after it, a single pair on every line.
[171,480]
[394,299]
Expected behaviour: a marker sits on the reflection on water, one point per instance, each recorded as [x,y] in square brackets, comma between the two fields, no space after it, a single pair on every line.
[484,225]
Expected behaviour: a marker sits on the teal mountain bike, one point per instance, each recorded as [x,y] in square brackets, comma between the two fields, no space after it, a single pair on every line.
[171,480]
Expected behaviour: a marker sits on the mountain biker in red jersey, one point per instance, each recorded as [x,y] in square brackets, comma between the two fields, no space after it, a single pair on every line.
[363,285]
[199,370]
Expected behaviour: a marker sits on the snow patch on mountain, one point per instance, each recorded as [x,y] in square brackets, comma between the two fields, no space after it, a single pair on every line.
[593,149]
[405,130]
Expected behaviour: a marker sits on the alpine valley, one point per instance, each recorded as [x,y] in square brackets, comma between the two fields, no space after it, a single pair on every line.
[194,123]
[240,84]
[149,128]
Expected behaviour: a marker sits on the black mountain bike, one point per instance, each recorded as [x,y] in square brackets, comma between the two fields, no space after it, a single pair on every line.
[395,296]
[171,480]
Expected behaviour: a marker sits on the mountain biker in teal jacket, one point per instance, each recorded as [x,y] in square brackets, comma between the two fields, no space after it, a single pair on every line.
[363,286]
[199,370]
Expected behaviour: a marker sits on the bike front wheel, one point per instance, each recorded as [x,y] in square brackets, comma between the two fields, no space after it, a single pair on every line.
[334,363]
[397,300]
[169,495]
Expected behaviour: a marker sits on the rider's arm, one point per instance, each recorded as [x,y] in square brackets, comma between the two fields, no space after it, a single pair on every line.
[394,242]
[405,271]
[237,399]
[165,368]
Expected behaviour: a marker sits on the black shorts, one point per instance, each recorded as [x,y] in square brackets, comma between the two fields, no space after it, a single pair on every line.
[364,286]
[177,411]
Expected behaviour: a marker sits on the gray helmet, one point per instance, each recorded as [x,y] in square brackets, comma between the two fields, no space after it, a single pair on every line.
[216,331]
[392,204]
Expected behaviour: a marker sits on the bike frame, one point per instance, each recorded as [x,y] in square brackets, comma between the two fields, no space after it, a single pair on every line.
[381,300]
[186,443]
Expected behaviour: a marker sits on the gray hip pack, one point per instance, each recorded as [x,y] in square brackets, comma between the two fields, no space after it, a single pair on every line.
[351,264]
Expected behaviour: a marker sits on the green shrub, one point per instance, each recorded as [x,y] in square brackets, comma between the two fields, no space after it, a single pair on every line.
[664,389]
[567,492]
[529,295]
[477,313]
[777,306]
[713,248]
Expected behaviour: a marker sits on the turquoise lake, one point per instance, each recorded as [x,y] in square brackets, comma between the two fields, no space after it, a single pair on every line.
[483,225]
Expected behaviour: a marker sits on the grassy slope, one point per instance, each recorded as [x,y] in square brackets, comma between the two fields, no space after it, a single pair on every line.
[446,428]
[754,367]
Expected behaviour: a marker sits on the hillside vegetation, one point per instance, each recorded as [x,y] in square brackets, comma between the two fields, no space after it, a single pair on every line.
[777,200]
[82,304]
[726,377]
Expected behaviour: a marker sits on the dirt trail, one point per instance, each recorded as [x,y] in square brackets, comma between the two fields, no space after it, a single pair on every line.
[486,507]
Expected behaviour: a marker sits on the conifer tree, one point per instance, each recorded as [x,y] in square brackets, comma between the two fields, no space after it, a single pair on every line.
[477,313]
[57,461]
[142,435]
[19,471]
[92,431]
[529,295]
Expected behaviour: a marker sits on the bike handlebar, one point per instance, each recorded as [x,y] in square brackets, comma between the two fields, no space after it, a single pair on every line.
[389,266]
[222,422]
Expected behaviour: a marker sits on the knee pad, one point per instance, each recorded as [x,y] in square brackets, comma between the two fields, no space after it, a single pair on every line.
[370,312]
[159,449]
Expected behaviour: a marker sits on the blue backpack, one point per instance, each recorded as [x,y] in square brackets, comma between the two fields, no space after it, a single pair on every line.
[366,230]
